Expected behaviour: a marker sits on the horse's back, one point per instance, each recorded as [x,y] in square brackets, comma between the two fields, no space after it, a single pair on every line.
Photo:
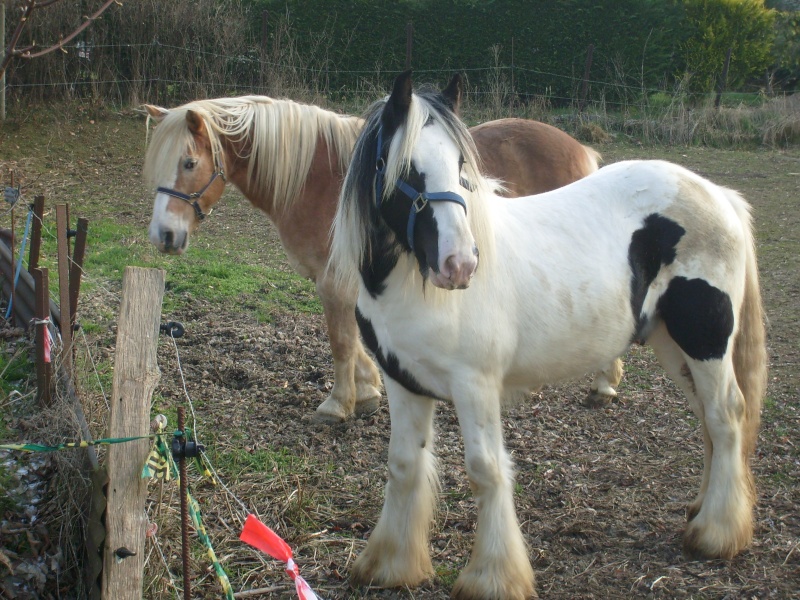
[531,157]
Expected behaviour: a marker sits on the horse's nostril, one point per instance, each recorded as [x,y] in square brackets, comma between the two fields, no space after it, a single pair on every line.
[168,238]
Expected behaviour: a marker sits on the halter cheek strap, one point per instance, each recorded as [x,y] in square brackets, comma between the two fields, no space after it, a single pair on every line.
[419,200]
[194,196]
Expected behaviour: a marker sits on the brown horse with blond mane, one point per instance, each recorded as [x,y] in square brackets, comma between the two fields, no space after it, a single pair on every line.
[289,159]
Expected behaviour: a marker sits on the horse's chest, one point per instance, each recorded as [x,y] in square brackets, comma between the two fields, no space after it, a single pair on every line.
[408,351]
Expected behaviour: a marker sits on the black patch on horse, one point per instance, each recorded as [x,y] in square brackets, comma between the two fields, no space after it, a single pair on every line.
[375,269]
[390,363]
[698,316]
[396,212]
[651,246]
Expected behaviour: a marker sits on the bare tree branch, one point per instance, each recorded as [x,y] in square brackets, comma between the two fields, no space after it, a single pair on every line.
[65,40]
[12,52]
[46,3]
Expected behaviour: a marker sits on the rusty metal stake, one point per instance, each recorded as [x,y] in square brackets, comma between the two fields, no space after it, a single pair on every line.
[184,490]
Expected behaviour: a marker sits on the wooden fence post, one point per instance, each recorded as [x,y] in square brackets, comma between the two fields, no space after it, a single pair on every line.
[62,225]
[723,79]
[42,313]
[36,233]
[409,43]
[75,273]
[136,375]
[585,84]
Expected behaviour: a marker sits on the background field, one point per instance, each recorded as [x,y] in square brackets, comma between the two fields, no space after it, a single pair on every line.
[600,494]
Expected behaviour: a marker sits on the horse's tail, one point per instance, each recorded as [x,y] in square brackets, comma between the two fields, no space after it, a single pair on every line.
[593,159]
[749,347]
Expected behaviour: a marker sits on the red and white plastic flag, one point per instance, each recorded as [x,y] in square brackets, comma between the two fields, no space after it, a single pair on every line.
[263,538]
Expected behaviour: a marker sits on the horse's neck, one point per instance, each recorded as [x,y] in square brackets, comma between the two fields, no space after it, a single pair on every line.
[322,183]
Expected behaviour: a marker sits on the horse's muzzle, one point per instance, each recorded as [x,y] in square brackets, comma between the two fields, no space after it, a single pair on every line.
[170,242]
[456,271]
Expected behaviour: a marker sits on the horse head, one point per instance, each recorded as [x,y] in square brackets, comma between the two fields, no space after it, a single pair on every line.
[404,191]
[184,162]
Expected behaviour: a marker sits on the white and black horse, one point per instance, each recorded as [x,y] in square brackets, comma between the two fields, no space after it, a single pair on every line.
[466,297]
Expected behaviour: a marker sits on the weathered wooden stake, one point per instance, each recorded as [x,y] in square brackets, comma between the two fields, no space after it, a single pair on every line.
[36,233]
[62,225]
[409,43]
[585,84]
[75,273]
[723,79]
[42,312]
[136,375]
[264,28]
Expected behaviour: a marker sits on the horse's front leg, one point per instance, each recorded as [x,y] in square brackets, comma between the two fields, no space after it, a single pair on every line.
[397,553]
[356,381]
[499,566]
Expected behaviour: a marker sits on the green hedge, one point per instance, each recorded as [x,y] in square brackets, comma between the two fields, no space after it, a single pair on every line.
[637,43]
[549,38]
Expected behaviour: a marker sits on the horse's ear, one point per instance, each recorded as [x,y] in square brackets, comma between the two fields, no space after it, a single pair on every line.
[399,101]
[156,112]
[195,123]
[452,93]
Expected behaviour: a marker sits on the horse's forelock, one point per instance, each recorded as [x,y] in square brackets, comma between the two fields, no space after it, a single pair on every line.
[168,144]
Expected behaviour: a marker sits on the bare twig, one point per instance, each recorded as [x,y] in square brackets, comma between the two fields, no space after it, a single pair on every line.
[13,52]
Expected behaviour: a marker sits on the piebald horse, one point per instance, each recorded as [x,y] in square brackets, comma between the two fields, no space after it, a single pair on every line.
[467,299]
[288,159]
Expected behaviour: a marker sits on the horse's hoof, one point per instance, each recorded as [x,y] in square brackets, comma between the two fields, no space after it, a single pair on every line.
[367,406]
[326,419]
[330,412]
[595,399]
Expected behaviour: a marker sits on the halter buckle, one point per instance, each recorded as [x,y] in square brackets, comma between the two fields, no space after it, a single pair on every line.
[419,203]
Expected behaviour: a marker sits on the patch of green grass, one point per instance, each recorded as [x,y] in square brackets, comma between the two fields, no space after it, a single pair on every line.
[7,482]
[447,575]
[16,369]
[201,273]
[238,459]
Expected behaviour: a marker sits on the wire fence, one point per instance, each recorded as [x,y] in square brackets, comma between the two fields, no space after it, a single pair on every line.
[97,72]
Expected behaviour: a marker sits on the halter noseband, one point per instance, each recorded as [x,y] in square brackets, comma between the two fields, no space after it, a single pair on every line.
[419,200]
[193,198]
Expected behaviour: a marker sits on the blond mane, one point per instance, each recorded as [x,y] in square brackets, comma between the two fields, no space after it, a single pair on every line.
[277,138]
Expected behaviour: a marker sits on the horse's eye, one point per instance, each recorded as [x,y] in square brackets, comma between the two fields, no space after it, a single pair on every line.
[190,163]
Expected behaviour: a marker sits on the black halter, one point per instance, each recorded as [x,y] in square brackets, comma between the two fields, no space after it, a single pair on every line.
[419,200]
[195,196]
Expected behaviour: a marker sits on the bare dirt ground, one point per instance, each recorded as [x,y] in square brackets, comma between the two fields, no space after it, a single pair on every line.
[600,494]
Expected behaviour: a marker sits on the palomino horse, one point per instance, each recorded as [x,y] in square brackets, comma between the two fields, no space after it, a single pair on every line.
[466,298]
[288,159]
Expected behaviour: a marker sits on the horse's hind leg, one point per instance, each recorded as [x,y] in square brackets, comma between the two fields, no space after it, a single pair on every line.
[356,382]
[721,520]
[499,566]
[603,388]
[674,363]
[397,552]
